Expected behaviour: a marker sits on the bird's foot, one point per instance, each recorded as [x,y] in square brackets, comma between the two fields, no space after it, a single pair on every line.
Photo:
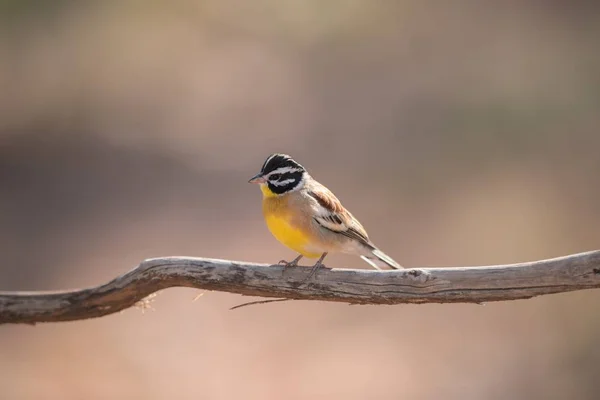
[286,264]
[318,265]
[314,270]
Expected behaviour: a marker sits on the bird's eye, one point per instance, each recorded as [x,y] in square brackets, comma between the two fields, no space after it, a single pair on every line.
[274,177]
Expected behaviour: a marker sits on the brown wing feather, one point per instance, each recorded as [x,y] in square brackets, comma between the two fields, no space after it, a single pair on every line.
[327,200]
[338,218]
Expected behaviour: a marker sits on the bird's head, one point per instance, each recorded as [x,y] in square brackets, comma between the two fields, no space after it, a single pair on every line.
[279,175]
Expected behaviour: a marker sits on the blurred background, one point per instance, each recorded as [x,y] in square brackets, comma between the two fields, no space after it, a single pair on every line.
[460,133]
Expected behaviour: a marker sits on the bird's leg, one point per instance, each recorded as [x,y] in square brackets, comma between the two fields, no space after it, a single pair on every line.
[316,267]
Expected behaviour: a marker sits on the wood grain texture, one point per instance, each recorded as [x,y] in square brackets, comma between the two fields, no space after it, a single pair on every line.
[415,285]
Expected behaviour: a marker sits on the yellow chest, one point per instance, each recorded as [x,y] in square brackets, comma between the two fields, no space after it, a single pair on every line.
[280,222]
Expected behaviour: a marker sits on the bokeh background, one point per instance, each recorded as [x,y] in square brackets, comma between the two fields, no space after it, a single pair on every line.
[460,133]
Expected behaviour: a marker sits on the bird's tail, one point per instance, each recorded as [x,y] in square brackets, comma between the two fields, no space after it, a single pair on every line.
[378,259]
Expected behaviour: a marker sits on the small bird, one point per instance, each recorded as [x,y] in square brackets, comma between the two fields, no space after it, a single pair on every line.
[307,217]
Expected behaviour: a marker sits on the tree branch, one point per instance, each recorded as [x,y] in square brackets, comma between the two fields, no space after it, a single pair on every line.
[417,285]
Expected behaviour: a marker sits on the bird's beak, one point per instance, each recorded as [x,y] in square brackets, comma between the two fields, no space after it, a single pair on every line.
[258,178]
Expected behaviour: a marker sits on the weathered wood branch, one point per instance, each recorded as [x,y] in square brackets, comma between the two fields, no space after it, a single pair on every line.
[416,285]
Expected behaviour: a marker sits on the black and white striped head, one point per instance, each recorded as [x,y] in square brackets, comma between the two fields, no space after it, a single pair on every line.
[280,174]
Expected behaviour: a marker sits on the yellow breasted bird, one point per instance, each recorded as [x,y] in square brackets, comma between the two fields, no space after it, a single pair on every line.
[307,217]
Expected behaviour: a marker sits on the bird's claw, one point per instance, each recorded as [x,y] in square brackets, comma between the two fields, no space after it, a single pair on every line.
[287,264]
[293,263]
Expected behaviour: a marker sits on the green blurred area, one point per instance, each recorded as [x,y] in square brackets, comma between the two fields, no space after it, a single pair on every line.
[460,133]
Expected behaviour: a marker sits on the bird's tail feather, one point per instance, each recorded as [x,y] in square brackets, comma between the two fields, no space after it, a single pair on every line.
[378,259]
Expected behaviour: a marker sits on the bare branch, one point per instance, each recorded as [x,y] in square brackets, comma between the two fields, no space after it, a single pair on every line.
[417,285]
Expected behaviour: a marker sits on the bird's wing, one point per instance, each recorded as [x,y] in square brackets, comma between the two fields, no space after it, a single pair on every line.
[330,214]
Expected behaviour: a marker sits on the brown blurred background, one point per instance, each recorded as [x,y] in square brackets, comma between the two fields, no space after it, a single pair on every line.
[460,133]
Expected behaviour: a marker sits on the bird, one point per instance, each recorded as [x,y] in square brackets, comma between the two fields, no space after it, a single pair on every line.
[308,218]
